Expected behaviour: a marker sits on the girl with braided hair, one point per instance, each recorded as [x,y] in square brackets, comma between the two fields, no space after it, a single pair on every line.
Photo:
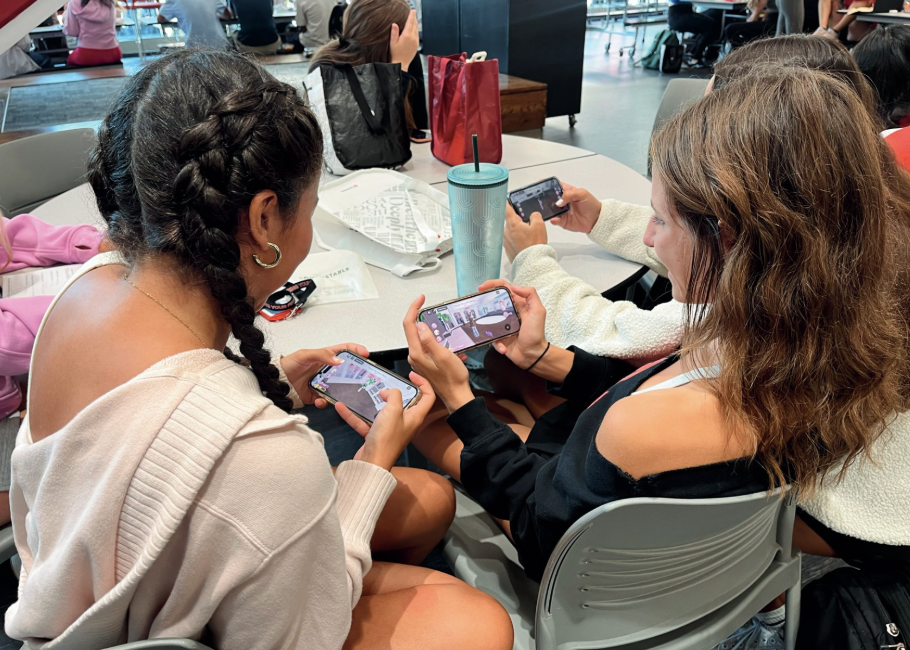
[161,489]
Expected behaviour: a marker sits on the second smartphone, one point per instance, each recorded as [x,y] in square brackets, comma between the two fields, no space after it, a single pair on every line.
[357,382]
[474,320]
[540,197]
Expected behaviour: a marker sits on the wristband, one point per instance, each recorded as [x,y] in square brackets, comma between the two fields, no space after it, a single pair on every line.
[292,296]
[547,349]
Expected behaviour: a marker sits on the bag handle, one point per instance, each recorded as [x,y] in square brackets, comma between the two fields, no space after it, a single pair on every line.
[477,57]
[361,99]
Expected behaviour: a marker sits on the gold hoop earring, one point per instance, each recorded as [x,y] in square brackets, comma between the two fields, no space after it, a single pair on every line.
[273,264]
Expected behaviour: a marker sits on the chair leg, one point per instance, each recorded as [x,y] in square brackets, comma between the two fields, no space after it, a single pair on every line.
[791,624]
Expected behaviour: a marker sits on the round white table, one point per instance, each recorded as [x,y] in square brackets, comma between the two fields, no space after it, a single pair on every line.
[376,324]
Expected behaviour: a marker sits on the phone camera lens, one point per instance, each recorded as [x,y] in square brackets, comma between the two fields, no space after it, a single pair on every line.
[508,327]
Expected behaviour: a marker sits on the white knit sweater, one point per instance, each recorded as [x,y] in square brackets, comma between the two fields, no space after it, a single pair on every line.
[577,313]
[184,501]
[870,503]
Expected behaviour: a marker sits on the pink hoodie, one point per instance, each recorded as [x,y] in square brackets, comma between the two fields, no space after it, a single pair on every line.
[34,243]
[93,24]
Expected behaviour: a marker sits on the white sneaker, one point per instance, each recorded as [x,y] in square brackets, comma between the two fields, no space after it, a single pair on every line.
[755,635]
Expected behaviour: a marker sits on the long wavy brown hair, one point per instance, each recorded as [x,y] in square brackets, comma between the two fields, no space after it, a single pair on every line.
[809,296]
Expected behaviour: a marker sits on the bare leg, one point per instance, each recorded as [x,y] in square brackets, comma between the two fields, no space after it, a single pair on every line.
[511,382]
[412,608]
[415,517]
[442,447]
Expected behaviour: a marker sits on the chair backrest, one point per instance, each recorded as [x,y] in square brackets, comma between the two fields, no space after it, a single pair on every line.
[680,94]
[636,569]
[39,167]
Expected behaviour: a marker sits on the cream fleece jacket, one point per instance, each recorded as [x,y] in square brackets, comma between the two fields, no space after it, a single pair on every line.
[184,502]
[577,313]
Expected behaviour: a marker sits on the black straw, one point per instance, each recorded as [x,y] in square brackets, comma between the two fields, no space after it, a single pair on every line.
[476,155]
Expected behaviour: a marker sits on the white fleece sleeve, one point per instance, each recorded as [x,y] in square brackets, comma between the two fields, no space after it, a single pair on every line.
[620,230]
[577,314]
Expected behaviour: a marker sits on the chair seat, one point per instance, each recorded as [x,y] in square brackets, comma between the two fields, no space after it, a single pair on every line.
[481,555]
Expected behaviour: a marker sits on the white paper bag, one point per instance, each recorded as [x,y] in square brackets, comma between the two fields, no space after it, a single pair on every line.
[395,222]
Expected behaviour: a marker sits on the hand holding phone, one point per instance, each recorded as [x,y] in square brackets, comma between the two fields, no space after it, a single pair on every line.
[543,197]
[471,321]
[531,341]
[300,367]
[395,426]
[433,361]
[583,210]
[359,384]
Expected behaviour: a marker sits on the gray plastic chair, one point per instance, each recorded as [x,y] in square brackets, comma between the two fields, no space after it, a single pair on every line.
[39,167]
[640,574]
[162,644]
[679,94]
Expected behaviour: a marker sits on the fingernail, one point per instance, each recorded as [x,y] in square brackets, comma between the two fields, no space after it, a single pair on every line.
[559,203]
[336,360]
[422,327]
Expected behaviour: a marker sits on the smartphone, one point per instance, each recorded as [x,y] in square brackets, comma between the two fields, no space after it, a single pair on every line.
[472,321]
[357,382]
[540,197]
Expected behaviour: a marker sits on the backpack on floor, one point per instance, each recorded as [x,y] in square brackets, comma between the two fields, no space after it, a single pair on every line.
[856,609]
[665,53]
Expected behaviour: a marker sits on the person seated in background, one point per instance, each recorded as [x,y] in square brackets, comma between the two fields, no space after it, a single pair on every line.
[705,26]
[884,57]
[382,31]
[18,59]
[92,22]
[762,22]
[258,33]
[194,503]
[833,25]
[27,242]
[199,20]
[313,22]
[778,269]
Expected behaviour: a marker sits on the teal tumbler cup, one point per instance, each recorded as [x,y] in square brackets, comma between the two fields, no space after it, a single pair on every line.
[477,204]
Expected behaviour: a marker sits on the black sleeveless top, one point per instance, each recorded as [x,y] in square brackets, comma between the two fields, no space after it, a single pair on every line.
[543,486]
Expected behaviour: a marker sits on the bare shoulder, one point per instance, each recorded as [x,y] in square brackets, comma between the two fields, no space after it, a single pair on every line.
[667,429]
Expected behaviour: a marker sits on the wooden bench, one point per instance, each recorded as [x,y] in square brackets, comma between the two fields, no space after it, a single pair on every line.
[524,103]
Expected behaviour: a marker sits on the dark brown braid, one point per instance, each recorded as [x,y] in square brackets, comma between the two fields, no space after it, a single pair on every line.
[192,140]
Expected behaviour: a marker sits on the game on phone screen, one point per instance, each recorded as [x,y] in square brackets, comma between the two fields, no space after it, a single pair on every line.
[474,320]
[540,197]
[357,383]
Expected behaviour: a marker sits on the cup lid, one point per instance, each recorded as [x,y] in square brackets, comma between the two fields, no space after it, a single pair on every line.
[489,174]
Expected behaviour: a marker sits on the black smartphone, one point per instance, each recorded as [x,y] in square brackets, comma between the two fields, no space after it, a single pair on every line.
[357,382]
[540,197]
[474,320]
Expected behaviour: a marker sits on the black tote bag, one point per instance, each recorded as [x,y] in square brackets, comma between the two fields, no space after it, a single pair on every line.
[363,115]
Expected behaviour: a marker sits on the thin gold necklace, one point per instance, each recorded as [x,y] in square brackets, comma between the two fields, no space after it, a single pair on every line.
[158,302]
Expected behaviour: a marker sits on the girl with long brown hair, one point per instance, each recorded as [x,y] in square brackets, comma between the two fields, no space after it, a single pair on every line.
[794,370]
[382,31]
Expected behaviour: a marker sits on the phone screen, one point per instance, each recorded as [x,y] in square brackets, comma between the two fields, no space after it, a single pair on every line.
[474,320]
[540,197]
[357,382]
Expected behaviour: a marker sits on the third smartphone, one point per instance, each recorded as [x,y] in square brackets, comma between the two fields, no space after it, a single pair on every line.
[540,197]
[474,320]
[357,382]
